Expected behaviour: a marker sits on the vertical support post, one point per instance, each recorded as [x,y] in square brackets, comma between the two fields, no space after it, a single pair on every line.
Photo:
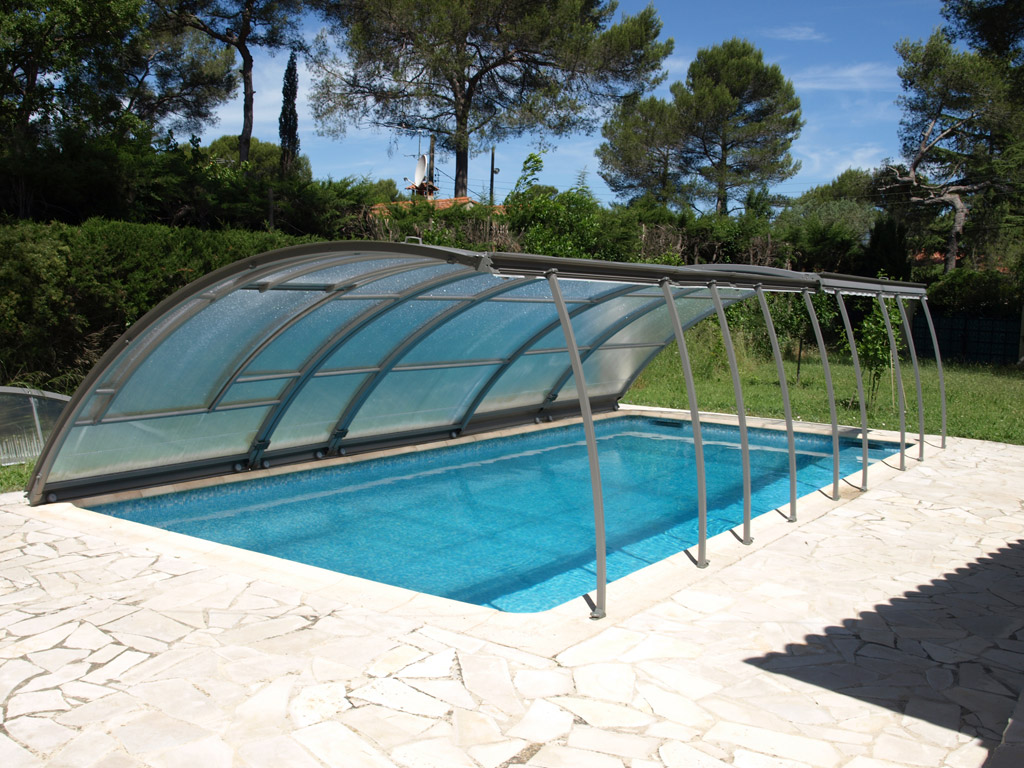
[828,389]
[698,441]
[917,377]
[35,418]
[598,608]
[741,411]
[786,408]
[938,363]
[894,350]
[860,391]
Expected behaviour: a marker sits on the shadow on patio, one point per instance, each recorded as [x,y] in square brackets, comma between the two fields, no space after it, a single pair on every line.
[950,653]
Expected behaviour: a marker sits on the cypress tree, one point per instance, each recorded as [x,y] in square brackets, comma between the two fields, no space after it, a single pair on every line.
[288,123]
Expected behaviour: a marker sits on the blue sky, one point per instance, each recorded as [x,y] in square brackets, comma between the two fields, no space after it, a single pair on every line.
[838,54]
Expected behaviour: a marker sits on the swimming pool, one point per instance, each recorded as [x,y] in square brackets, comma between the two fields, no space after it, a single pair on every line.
[505,522]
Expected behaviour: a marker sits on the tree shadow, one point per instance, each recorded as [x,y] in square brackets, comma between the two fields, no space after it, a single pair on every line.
[950,653]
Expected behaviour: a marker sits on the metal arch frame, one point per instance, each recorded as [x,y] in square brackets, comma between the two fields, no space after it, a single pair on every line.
[741,412]
[787,408]
[894,350]
[938,362]
[624,322]
[855,358]
[598,606]
[829,389]
[905,320]
[698,440]
[357,401]
[261,441]
[527,345]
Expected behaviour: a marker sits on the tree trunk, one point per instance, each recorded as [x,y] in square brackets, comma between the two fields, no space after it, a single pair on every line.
[462,170]
[245,137]
[953,243]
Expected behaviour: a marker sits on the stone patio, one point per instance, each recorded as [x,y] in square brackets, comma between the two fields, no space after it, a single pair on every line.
[883,630]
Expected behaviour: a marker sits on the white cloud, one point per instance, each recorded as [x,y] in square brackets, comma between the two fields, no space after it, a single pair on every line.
[819,165]
[796,33]
[869,76]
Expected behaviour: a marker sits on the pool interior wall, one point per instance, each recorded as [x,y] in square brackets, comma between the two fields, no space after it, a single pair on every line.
[504,522]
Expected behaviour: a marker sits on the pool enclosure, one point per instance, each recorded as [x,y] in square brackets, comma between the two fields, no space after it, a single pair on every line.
[320,350]
[26,418]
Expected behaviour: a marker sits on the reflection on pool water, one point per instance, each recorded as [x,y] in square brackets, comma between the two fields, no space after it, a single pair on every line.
[506,522]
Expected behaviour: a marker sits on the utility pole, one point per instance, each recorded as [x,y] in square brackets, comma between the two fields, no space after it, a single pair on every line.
[430,170]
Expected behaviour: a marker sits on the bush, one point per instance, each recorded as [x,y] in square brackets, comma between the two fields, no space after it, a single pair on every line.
[69,291]
[971,292]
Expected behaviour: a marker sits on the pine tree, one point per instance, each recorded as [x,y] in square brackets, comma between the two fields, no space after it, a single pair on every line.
[288,123]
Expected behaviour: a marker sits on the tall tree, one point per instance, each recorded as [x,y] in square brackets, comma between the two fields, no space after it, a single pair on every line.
[642,152]
[242,25]
[475,72]
[957,119]
[741,117]
[177,79]
[288,123]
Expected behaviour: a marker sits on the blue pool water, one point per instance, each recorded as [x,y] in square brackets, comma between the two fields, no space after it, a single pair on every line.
[506,522]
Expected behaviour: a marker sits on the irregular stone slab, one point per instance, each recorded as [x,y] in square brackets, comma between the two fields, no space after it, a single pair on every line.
[554,756]
[542,723]
[786,745]
[316,703]
[331,741]
[395,694]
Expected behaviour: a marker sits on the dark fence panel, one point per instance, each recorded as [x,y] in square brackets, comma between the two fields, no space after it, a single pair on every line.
[970,339]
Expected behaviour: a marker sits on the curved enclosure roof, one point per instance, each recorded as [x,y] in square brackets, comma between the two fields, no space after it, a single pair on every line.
[317,350]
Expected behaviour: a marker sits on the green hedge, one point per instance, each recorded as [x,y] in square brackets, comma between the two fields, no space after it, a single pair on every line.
[70,291]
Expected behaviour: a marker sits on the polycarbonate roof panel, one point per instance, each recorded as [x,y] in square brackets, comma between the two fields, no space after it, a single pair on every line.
[313,349]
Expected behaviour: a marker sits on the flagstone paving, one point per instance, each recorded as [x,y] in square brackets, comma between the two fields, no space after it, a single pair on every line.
[887,630]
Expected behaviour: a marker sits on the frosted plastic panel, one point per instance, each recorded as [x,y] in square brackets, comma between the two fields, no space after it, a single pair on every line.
[571,290]
[468,287]
[607,371]
[527,382]
[403,281]
[341,273]
[188,369]
[593,321]
[142,345]
[419,399]
[315,411]
[254,391]
[376,341]
[655,326]
[488,331]
[296,345]
[104,449]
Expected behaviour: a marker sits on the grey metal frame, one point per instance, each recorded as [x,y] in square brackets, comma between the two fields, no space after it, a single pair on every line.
[852,341]
[894,350]
[938,363]
[833,416]
[741,412]
[787,409]
[598,608]
[698,440]
[917,376]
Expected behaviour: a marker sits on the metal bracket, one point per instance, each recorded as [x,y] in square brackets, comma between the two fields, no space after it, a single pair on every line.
[256,452]
[334,446]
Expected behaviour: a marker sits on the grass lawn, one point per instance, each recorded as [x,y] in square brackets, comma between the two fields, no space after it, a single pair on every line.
[982,402]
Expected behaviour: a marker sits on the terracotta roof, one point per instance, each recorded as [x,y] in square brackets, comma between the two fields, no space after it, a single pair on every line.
[384,209]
